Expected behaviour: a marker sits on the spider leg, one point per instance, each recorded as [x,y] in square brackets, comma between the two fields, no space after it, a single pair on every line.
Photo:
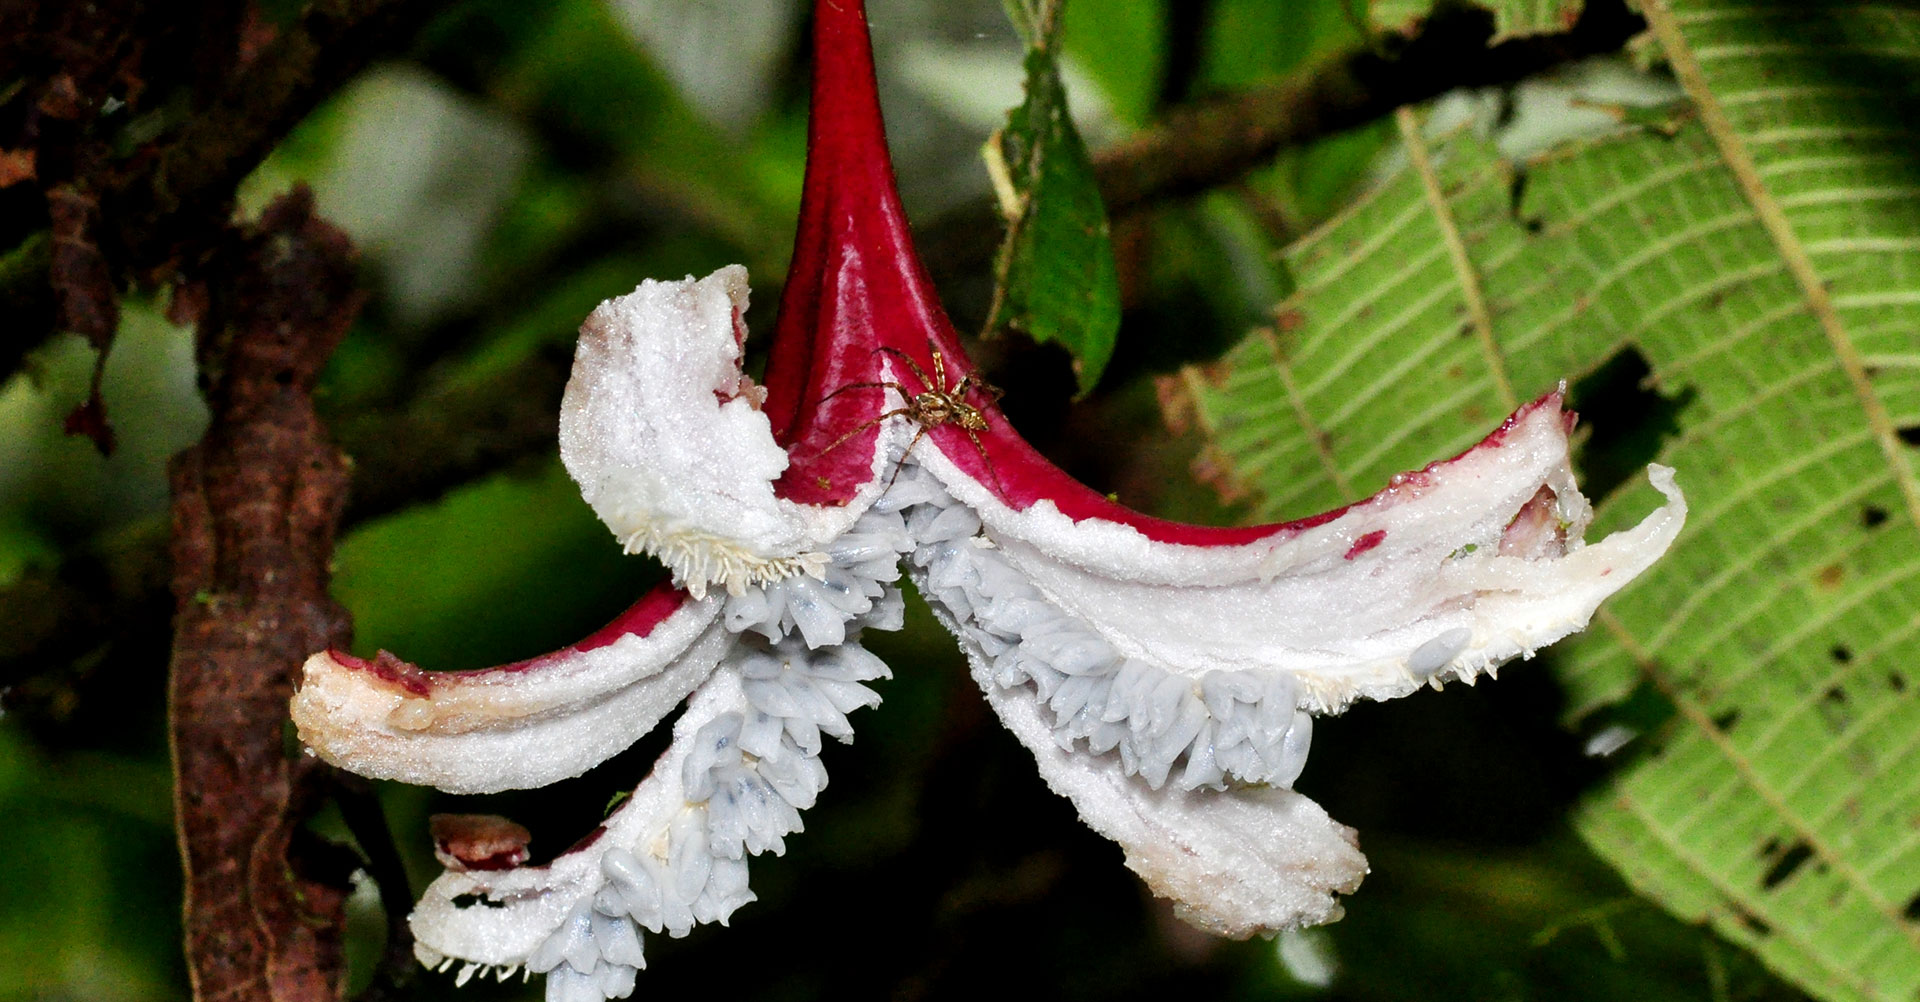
[855,386]
[922,433]
[973,382]
[864,425]
[939,371]
[911,364]
[998,487]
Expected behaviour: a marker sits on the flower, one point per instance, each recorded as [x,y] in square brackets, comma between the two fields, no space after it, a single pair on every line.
[1165,676]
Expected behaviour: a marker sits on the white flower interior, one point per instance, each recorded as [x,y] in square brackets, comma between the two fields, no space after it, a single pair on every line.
[745,760]
[1448,573]
[1166,689]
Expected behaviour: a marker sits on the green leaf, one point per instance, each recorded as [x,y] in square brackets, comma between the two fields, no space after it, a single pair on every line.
[1055,274]
[1511,18]
[1121,45]
[78,920]
[1759,258]
[1246,45]
[503,568]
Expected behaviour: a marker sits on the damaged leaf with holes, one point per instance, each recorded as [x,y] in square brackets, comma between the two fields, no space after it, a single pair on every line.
[1756,264]
[1510,18]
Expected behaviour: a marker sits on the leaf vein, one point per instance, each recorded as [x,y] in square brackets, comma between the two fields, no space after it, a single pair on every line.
[1465,274]
[1316,435]
[1743,768]
[1773,219]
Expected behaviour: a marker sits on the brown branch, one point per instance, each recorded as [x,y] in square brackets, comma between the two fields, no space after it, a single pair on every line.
[255,506]
[138,183]
[193,173]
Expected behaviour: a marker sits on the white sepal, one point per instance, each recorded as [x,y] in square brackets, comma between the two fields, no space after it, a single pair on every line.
[1355,606]
[1237,862]
[515,727]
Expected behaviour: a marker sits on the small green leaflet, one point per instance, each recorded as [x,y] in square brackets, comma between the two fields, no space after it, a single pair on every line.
[1055,278]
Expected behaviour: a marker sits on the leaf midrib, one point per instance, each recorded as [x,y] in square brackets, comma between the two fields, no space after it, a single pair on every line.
[1465,274]
[1773,219]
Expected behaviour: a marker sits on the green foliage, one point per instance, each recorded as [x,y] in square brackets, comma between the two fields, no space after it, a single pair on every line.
[1056,279]
[90,881]
[514,562]
[1246,44]
[1759,260]
[1510,17]
[1121,45]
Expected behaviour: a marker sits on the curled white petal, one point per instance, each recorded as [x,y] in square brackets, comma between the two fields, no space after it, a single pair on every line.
[744,761]
[665,436]
[1354,606]
[505,728]
[1165,687]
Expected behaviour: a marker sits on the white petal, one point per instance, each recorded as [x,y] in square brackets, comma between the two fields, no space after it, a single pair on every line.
[525,905]
[665,435]
[512,727]
[1345,604]
[1236,862]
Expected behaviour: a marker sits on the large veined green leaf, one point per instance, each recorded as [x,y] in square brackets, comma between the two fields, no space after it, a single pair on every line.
[1762,255]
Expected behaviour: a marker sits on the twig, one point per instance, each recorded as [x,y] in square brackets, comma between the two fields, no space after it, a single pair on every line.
[255,506]
[1207,143]
[194,172]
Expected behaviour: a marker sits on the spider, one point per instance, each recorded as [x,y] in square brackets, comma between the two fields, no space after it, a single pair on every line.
[935,404]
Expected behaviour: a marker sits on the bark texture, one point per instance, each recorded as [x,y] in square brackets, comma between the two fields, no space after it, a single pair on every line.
[129,124]
[255,507]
